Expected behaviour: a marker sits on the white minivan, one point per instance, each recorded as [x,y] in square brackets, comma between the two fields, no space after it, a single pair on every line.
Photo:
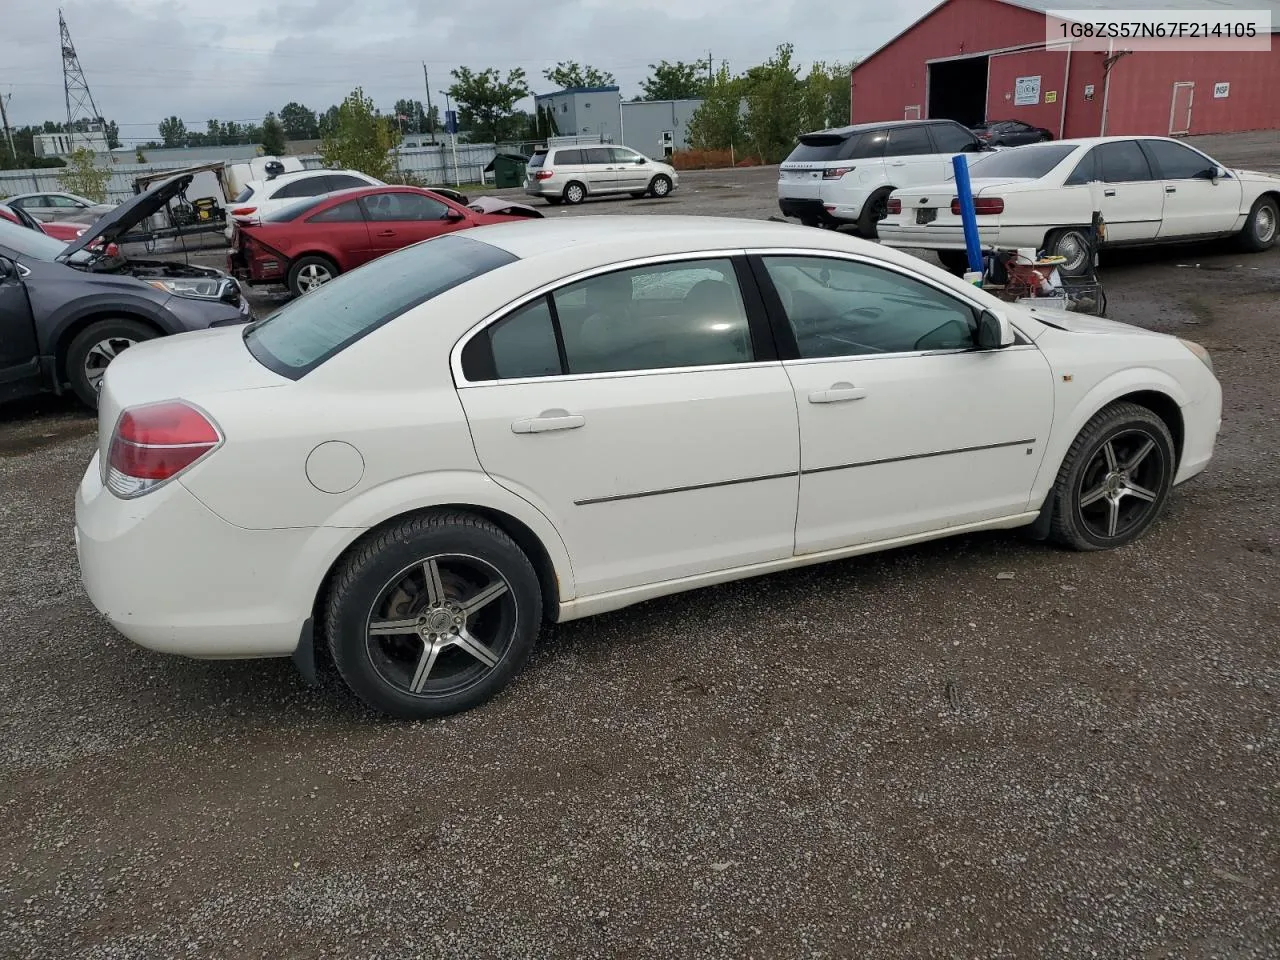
[842,176]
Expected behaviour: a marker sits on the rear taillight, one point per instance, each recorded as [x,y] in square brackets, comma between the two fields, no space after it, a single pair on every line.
[154,443]
[545,174]
[835,173]
[894,205]
[982,206]
[243,211]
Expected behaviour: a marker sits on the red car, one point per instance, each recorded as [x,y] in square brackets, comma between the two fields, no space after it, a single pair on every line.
[310,242]
[59,230]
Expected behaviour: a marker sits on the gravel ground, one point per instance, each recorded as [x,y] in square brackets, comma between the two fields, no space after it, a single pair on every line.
[974,748]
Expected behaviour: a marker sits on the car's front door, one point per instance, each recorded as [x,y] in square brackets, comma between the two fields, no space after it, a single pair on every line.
[398,219]
[18,347]
[599,170]
[1195,202]
[643,412]
[1127,192]
[905,427]
[39,206]
[633,170]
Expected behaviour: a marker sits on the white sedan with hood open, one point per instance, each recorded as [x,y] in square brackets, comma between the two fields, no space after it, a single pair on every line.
[418,464]
[1149,190]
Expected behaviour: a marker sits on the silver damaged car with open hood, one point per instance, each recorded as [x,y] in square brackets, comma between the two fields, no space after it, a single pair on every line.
[67,309]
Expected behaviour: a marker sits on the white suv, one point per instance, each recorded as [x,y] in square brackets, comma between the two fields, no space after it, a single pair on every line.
[571,174]
[846,175]
[260,197]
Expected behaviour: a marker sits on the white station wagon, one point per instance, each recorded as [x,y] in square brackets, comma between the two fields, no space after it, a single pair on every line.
[419,463]
[1150,190]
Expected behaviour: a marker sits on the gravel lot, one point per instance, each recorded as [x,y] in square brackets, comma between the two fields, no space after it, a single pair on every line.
[975,748]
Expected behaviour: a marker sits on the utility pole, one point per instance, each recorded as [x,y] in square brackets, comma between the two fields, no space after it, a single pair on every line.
[80,105]
[709,61]
[8,133]
[430,122]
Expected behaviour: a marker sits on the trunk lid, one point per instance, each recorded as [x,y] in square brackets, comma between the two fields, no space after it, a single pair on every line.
[188,366]
[932,203]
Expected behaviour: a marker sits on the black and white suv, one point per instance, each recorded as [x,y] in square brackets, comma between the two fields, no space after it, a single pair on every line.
[845,175]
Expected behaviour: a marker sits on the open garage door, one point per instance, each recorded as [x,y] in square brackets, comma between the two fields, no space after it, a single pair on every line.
[1028,85]
[958,90]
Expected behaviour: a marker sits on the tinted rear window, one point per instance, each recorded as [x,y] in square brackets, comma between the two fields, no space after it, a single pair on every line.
[305,333]
[1031,162]
[569,156]
[294,210]
[538,158]
[819,147]
[243,195]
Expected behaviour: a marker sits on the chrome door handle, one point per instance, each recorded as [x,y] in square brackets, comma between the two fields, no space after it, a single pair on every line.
[838,393]
[386,233]
[1108,193]
[548,421]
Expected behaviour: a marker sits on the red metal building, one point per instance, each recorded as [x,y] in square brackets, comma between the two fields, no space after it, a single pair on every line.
[961,62]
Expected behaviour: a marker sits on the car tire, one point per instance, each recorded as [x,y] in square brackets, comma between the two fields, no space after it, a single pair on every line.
[309,273]
[810,222]
[660,186]
[638,194]
[555,201]
[1115,479]
[873,211]
[574,193]
[954,261]
[93,348]
[1261,229]
[1072,243]
[397,622]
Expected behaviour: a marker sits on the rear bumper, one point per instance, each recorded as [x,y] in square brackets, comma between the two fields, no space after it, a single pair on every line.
[951,236]
[803,209]
[172,576]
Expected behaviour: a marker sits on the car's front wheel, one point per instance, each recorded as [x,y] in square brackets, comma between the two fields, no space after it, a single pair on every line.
[1115,479]
[660,186]
[1260,229]
[94,348]
[310,273]
[433,616]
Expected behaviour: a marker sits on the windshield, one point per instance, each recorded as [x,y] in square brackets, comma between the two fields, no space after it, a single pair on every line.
[26,242]
[1030,162]
[319,325]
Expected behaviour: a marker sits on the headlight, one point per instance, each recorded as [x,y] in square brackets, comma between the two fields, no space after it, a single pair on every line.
[197,288]
[1199,351]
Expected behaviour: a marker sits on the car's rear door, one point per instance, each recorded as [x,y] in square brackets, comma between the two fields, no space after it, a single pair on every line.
[644,412]
[1127,192]
[600,170]
[398,219]
[911,158]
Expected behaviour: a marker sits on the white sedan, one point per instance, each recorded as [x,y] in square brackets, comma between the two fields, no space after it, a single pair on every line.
[1149,190]
[418,464]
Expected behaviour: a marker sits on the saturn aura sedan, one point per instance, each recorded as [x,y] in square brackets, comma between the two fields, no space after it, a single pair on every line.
[418,464]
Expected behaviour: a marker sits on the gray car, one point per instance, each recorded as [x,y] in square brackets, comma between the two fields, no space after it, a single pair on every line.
[66,309]
[571,174]
[60,206]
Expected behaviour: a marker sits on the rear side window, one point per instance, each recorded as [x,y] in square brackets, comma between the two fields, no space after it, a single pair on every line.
[1086,170]
[1122,162]
[597,155]
[293,211]
[348,212]
[343,181]
[569,156]
[524,344]
[307,187]
[909,142]
[1031,162]
[243,195]
[951,138]
[306,332]
[538,159]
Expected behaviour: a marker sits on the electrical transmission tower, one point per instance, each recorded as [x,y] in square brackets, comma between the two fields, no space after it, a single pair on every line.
[82,112]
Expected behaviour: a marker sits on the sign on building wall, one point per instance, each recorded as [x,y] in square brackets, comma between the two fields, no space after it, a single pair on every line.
[1026,91]
[1088,91]
[1221,91]
[1051,96]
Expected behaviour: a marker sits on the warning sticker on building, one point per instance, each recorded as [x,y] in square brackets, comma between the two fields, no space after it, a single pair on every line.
[1026,91]
[1051,96]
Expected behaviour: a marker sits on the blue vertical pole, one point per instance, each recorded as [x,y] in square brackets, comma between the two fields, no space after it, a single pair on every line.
[960,164]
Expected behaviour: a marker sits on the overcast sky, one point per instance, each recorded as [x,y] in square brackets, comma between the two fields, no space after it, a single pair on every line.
[147,59]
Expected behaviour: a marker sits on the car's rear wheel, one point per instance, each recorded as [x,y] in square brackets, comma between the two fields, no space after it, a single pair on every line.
[660,186]
[1115,479]
[954,261]
[1261,228]
[574,192]
[873,211]
[94,348]
[434,616]
[1073,245]
[637,195]
[555,201]
[310,273]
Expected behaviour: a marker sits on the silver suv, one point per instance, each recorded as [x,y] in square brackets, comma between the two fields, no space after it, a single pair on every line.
[571,174]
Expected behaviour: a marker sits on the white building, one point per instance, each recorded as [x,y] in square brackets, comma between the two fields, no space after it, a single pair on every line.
[64,144]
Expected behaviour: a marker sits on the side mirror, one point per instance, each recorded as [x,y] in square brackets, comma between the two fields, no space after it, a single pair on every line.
[642,160]
[994,331]
[453,216]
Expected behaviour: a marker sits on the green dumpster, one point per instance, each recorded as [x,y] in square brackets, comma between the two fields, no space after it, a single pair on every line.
[507,169]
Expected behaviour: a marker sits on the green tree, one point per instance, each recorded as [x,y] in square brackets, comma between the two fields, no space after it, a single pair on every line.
[675,81]
[775,105]
[486,102]
[299,122]
[717,123]
[272,136]
[826,96]
[327,123]
[83,177]
[173,132]
[569,74]
[113,135]
[360,138]
[138,155]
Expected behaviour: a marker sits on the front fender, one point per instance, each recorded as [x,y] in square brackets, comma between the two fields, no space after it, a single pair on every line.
[448,488]
[1071,414]
[55,318]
